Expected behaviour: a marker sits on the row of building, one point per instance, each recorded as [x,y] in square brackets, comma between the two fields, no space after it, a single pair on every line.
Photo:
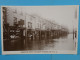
[31,25]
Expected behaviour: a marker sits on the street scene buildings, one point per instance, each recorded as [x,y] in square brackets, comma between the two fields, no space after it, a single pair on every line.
[25,31]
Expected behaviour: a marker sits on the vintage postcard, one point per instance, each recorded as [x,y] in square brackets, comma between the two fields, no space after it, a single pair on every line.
[39,29]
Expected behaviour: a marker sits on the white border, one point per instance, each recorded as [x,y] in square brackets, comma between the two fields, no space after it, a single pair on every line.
[39,51]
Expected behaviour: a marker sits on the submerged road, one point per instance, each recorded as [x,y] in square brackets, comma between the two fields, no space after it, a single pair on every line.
[63,43]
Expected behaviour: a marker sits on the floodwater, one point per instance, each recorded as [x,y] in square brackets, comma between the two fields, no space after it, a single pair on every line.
[63,43]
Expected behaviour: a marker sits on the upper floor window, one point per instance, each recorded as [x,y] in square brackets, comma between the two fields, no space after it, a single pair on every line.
[15,20]
[29,25]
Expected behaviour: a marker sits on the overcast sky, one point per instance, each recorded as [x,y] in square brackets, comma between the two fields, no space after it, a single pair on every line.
[63,15]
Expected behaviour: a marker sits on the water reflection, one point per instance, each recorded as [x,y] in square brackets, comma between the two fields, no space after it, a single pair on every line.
[62,43]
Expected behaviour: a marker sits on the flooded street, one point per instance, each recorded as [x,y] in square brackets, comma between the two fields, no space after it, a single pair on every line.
[39,29]
[63,43]
[66,43]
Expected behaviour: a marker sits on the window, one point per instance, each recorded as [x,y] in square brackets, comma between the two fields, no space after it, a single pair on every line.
[15,20]
[29,25]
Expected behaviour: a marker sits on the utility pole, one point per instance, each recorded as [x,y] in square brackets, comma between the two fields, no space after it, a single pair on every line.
[25,32]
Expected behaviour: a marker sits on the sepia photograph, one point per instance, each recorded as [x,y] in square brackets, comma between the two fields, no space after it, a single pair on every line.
[39,29]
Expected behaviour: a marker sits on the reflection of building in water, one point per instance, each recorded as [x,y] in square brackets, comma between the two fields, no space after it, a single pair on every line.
[18,25]
[74,33]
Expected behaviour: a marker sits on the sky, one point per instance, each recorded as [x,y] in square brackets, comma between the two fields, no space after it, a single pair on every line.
[63,15]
